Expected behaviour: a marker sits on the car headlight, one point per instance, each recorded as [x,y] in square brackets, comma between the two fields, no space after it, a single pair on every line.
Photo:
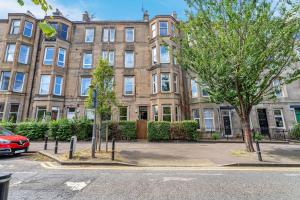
[2,141]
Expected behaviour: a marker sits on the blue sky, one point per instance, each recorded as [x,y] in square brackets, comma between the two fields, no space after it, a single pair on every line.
[101,9]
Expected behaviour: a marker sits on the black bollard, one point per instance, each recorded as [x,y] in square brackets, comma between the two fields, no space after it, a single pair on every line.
[46,142]
[71,148]
[56,145]
[4,185]
[113,149]
[258,151]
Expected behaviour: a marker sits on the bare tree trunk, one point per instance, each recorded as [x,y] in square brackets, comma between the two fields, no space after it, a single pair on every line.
[247,134]
[100,126]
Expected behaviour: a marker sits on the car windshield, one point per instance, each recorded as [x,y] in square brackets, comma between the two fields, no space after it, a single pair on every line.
[4,132]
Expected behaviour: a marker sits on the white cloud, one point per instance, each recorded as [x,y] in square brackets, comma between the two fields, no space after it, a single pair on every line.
[11,6]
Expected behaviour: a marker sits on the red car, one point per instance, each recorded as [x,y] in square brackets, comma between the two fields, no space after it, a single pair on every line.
[11,143]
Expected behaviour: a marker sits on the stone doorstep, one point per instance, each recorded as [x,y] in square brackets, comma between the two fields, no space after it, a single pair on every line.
[62,162]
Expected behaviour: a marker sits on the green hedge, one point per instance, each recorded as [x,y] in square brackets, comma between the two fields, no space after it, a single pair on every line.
[32,130]
[158,131]
[128,130]
[124,130]
[295,132]
[8,125]
[185,130]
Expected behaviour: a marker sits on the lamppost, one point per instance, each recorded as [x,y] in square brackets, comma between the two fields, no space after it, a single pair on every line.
[95,105]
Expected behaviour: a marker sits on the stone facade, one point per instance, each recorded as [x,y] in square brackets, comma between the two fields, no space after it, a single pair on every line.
[149,83]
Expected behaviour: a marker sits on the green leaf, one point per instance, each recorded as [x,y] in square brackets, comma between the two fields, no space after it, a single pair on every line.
[47,29]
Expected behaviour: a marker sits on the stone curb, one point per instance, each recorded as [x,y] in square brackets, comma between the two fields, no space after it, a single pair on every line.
[61,162]
[262,165]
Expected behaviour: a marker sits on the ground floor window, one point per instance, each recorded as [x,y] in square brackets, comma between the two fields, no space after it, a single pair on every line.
[155,113]
[196,117]
[71,113]
[13,113]
[208,115]
[41,113]
[279,118]
[123,113]
[1,111]
[90,114]
[167,114]
[55,113]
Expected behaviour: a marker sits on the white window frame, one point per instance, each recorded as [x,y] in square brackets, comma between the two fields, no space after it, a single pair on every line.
[155,112]
[43,83]
[281,116]
[71,115]
[162,81]
[154,30]
[163,114]
[109,35]
[154,84]
[127,63]
[27,54]
[154,56]
[23,79]
[50,60]
[60,85]
[175,83]
[81,86]
[17,112]
[127,113]
[31,29]
[209,118]
[13,27]
[133,85]
[197,119]
[160,32]
[1,80]
[87,65]
[109,56]
[277,85]
[167,61]
[127,30]
[10,52]
[61,51]
[89,35]
[43,108]
[194,85]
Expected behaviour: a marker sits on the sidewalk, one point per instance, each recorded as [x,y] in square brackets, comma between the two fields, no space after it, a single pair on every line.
[190,154]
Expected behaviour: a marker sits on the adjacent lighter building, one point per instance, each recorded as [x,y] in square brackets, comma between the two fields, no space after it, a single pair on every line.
[51,76]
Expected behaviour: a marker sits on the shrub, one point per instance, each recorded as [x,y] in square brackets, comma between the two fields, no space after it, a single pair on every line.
[257,136]
[62,129]
[177,131]
[82,128]
[128,129]
[190,129]
[215,136]
[32,130]
[8,125]
[158,131]
[295,132]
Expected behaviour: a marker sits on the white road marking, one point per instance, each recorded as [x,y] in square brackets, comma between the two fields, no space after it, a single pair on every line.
[166,179]
[16,183]
[77,186]
[292,174]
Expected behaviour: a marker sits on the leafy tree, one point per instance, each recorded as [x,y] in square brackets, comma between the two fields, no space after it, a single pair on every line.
[46,28]
[102,83]
[238,48]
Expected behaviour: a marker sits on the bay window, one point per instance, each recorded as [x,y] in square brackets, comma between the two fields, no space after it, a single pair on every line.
[61,57]
[196,117]
[154,84]
[155,113]
[167,113]
[165,82]
[10,52]
[24,54]
[4,81]
[208,115]
[28,26]
[45,84]
[163,28]
[194,86]
[164,54]
[154,56]
[48,55]
[15,27]
[57,90]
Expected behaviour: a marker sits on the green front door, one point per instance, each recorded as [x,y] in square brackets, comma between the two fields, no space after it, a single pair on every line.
[297,112]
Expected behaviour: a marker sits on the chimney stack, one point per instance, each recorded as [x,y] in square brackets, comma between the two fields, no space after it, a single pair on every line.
[57,13]
[174,14]
[86,17]
[146,16]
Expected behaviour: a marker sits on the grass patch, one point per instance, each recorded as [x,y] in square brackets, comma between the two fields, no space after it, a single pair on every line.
[240,153]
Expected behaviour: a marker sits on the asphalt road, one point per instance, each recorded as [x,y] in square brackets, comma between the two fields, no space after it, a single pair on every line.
[45,180]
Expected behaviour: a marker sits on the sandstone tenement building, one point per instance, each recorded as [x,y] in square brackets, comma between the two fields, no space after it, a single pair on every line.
[41,76]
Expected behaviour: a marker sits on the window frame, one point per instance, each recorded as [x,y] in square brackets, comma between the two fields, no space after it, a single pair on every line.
[2,111]
[81,88]
[12,27]
[1,80]
[133,85]
[31,29]
[73,114]
[203,88]
[175,83]
[155,113]
[8,52]
[167,61]
[163,114]
[40,108]
[197,118]
[133,34]
[162,81]
[279,116]
[11,112]
[92,36]
[60,85]
[15,81]
[127,113]
[61,63]
[27,54]
[48,62]
[41,83]
[164,28]
[154,30]
[126,64]
[212,118]
[154,55]
[109,55]
[111,34]
[194,85]
[154,83]
[277,85]
[84,65]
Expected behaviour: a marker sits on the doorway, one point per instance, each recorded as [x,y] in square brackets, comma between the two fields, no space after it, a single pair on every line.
[297,113]
[263,121]
[142,123]
[227,122]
